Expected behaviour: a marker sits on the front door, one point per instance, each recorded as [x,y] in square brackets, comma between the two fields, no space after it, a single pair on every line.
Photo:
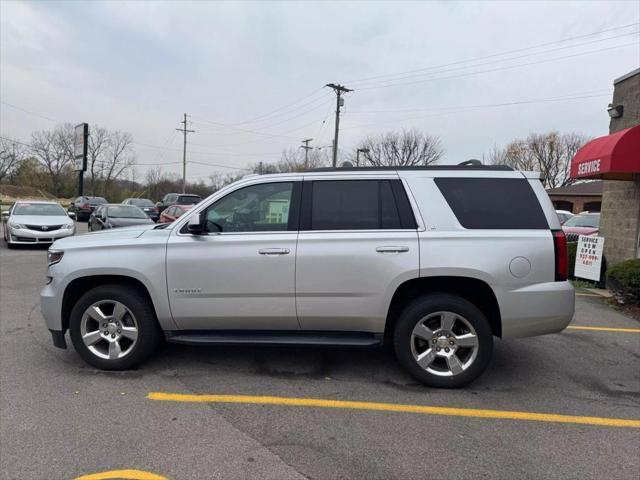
[241,274]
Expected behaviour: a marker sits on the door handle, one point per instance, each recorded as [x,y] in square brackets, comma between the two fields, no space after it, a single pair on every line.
[392,249]
[273,251]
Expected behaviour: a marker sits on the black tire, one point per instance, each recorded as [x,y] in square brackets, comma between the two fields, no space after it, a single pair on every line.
[442,302]
[149,334]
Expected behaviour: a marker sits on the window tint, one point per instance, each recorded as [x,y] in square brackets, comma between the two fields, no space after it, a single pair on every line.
[188,199]
[356,205]
[258,208]
[493,203]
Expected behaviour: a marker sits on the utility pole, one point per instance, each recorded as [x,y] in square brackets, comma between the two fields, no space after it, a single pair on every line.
[184,152]
[339,89]
[306,151]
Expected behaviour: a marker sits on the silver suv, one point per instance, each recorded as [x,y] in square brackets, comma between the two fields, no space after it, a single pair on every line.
[435,260]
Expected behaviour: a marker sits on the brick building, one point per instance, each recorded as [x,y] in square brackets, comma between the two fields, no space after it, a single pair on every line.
[579,197]
[616,160]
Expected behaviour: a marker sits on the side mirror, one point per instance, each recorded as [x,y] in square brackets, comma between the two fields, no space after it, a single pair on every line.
[196,225]
[72,215]
[5,214]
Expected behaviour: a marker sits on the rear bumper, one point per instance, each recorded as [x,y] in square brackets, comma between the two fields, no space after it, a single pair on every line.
[536,309]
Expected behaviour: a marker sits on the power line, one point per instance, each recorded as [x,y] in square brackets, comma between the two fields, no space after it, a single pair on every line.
[540,45]
[456,110]
[598,93]
[508,67]
[493,62]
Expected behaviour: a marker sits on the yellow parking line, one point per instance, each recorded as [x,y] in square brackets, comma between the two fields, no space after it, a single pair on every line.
[604,329]
[587,295]
[391,407]
[122,475]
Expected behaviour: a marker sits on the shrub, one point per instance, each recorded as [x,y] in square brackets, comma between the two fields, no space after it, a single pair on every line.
[624,280]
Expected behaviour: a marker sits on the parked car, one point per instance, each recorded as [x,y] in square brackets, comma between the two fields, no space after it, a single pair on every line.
[432,260]
[30,222]
[582,224]
[564,215]
[174,212]
[84,206]
[177,199]
[114,215]
[146,205]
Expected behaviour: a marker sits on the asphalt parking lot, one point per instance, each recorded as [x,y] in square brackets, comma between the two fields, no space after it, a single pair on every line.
[61,419]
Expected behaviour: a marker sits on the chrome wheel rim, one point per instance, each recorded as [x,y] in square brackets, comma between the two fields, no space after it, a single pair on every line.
[109,329]
[444,344]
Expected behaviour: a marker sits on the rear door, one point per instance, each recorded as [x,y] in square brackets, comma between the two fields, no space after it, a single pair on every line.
[358,242]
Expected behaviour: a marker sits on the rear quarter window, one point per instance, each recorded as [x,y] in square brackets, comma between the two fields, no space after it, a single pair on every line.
[493,203]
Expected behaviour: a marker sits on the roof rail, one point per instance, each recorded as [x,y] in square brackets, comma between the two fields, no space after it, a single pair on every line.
[427,167]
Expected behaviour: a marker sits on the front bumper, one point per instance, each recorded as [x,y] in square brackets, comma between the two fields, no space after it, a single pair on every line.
[26,236]
[537,309]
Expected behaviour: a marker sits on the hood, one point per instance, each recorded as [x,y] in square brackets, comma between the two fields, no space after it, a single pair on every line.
[41,219]
[126,222]
[581,230]
[115,235]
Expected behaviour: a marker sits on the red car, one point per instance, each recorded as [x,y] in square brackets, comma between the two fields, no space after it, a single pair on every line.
[174,212]
[582,224]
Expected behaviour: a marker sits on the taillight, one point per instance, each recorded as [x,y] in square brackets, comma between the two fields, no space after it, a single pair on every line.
[562,259]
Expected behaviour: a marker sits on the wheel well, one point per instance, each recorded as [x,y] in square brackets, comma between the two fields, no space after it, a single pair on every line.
[80,286]
[474,290]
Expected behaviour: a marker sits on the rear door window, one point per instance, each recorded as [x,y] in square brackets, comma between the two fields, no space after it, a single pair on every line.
[355,205]
[493,203]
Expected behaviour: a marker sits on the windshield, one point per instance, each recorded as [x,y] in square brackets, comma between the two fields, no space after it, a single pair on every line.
[97,200]
[125,211]
[141,202]
[188,199]
[591,221]
[44,209]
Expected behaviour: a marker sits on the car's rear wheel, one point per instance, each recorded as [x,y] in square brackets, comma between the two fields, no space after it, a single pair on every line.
[443,340]
[113,328]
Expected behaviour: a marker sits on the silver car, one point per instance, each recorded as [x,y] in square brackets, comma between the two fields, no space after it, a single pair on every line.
[436,261]
[30,222]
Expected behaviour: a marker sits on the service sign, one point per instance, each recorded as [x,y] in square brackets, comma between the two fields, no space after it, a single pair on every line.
[80,136]
[589,257]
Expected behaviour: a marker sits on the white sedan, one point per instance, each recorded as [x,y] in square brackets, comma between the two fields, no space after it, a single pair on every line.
[36,222]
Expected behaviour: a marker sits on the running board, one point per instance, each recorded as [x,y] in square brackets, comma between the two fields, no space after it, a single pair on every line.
[275,337]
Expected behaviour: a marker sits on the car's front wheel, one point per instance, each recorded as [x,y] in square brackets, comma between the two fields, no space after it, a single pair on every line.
[443,340]
[113,328]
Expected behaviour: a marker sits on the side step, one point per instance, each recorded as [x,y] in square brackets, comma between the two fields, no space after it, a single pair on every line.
[274,337]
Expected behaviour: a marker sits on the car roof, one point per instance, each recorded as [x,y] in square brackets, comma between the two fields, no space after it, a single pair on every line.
[44,202]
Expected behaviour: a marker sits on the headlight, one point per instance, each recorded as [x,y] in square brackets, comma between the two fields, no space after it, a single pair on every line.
[54,256]
[67,226]
[16,225]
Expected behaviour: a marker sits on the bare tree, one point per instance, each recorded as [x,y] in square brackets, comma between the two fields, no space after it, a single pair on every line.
[408,148]
[218,180]
[548,153]
[11,153]
[96,149]
[53,149]
[118,157]
[293,160]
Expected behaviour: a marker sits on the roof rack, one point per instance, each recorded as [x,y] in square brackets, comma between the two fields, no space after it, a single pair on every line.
[428,167]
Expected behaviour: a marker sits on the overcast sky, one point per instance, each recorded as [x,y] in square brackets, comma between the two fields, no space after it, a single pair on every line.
[439,67]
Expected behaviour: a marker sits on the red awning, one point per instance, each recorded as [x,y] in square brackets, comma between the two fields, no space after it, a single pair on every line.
[614,157]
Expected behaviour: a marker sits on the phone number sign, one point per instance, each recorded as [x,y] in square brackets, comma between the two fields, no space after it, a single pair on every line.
[589,257]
